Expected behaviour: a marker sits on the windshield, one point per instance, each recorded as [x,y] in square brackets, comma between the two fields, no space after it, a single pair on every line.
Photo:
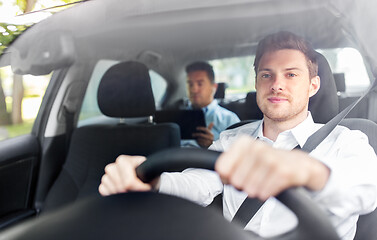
[9,32]
[17,16]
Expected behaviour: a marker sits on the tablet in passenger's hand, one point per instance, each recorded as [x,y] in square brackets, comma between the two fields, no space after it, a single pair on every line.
[187,120]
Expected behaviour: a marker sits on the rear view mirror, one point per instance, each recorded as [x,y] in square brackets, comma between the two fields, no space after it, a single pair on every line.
[39,52]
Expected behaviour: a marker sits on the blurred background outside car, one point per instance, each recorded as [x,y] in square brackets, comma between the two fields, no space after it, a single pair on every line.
[21,96]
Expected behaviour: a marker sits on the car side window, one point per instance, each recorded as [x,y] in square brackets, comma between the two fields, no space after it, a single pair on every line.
[90,110]
[237,74]
[346,63]
[348,66]
[20,99]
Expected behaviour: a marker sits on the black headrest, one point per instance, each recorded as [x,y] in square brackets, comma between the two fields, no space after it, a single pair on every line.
[324,105]
[220,91]
[340,82]
[253,111]
[125,91]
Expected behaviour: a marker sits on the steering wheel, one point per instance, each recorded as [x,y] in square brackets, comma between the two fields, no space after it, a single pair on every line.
[148,215]
[313,223]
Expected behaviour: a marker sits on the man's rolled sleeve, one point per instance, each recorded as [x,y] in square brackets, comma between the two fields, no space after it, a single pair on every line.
[198,185]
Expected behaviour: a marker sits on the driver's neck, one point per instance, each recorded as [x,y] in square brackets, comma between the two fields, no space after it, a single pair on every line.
[272,128]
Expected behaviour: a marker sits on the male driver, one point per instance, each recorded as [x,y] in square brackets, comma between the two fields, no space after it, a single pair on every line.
[339,174]
[201,90]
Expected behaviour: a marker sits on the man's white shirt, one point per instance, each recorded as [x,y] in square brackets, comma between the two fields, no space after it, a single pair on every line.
[350,191]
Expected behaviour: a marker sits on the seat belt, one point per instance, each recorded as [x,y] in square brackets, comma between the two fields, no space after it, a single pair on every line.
[250,206]
[316,138]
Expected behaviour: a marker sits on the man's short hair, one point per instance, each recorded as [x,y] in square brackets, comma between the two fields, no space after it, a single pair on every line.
[287,40]
[202,66]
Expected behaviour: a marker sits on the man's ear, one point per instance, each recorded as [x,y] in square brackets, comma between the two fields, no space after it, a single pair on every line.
[315,84]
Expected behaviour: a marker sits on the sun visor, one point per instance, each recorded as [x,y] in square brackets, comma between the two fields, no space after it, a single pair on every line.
[38,53]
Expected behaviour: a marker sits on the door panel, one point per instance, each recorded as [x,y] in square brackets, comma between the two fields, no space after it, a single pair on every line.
[18,167]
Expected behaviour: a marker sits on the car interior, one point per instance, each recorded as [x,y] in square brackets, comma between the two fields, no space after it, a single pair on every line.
[114,64]
[92,147]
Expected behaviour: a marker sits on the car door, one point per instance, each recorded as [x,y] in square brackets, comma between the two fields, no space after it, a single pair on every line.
[19,159]
[22,142]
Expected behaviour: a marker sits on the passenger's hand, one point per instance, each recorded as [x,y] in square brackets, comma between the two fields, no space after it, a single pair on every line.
[120,176]
[204,137]
[262,171]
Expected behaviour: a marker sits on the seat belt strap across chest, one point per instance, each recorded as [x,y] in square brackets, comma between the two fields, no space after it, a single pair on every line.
[316,138]
[250,206]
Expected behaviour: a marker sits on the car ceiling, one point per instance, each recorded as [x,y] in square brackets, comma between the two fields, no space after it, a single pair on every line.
[216,32]
[177,33]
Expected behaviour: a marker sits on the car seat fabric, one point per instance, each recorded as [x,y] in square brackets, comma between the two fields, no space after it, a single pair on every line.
[340,82]
[126,91]
[251,103]
[92,147]
[220,91]
[324,104]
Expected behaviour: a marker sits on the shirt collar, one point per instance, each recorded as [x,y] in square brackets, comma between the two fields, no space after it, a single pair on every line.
[210,106]
[304,130]
[292,137]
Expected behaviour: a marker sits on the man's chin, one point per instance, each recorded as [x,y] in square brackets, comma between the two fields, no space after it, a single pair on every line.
[195,105]
[280,116]
[283,116]
[198,105]
[278,119]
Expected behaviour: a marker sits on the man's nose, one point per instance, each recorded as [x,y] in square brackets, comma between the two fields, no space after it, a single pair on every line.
[277,83]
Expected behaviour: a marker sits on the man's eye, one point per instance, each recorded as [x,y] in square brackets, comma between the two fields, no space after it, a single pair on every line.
[266,75]
[291,75]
